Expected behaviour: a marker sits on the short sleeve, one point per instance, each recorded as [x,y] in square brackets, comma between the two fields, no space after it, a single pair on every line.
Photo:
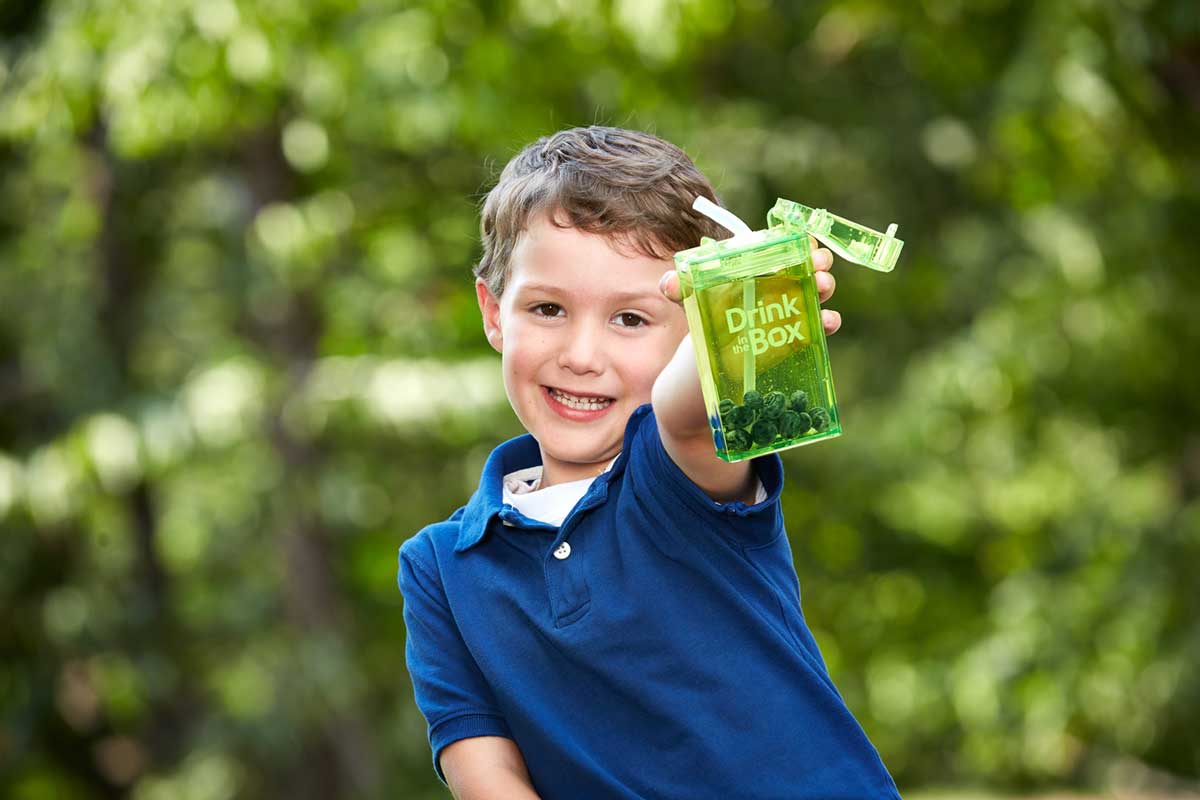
[659,481]
[449,688]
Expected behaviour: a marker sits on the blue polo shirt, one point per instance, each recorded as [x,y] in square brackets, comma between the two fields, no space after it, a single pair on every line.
[652,646]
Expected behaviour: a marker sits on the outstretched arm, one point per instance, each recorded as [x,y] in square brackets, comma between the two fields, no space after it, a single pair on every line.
[679,404]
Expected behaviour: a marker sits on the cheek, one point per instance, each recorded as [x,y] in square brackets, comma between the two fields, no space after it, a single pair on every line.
[525,350]
[520,379]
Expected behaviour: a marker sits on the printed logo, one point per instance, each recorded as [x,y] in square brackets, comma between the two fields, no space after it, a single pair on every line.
[754,323]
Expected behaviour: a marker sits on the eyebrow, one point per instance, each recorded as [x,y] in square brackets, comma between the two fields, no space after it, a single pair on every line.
[620,297]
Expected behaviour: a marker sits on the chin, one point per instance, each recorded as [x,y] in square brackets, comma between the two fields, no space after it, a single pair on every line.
[572,452]
[582,447]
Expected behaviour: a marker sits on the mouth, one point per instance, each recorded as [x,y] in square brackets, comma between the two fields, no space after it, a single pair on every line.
[586,404]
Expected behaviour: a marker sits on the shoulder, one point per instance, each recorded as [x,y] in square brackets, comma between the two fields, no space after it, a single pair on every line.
[649,458]
[661,481]
[423,550]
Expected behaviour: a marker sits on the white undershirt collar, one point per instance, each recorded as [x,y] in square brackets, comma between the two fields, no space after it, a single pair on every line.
[550,505]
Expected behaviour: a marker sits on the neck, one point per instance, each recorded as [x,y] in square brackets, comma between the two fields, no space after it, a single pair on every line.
[554,474]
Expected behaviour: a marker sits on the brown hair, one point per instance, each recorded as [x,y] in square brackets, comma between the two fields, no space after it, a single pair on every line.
[629,185]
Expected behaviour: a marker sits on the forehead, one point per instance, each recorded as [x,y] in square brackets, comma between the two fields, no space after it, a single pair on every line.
[551,257]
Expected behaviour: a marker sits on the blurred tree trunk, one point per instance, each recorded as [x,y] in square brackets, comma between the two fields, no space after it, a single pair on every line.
[124,265]
[340,758]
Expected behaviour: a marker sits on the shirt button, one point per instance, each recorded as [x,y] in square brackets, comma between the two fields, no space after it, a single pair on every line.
[562,551]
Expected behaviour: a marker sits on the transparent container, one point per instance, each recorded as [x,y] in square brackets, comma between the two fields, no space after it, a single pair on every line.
[755,321]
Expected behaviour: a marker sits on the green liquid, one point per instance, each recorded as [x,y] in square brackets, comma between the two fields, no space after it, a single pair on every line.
[763,334]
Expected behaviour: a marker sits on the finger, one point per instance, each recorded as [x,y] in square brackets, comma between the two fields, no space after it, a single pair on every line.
[831,321]
[668,284]
[826,284]
[822,259]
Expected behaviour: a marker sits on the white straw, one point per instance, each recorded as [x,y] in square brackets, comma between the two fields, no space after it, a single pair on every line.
[730,221]
[723,217]
[749,371]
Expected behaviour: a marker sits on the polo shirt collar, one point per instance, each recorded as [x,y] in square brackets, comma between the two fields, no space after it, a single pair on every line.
[519,453]
[487,501]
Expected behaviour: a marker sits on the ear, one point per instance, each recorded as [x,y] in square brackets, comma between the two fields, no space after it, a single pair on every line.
[489,307]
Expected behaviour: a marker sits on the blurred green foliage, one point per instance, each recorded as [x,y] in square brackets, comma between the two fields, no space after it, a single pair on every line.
[241,361]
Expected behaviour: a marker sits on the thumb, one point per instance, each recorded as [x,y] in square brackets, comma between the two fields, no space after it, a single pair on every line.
[668,284]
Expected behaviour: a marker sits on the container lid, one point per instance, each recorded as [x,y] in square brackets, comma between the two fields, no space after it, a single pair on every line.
[742,256]
[851,241]
[749,248]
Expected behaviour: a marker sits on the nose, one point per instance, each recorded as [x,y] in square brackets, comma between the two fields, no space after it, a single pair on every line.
[583,349]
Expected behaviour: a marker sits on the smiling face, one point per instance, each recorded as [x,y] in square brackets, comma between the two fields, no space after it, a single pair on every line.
[584,331]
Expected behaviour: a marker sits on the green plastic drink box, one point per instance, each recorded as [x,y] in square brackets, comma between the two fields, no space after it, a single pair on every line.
[755,321]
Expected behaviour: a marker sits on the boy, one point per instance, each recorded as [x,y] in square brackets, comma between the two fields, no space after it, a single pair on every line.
[615,613]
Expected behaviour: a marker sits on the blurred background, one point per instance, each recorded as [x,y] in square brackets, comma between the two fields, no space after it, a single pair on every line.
[241,362]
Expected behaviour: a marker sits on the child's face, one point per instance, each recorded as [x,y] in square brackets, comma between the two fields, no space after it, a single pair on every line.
[578,316]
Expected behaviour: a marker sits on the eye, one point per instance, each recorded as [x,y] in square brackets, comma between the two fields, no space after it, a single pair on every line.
[630,320]
[543,306]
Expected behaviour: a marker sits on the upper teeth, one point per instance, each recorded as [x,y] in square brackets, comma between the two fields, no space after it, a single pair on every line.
[582,403]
